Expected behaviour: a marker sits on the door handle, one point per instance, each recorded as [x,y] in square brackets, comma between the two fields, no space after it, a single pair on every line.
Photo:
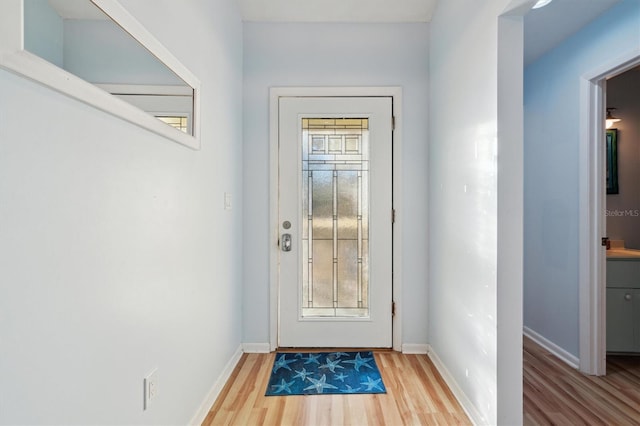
[286,242]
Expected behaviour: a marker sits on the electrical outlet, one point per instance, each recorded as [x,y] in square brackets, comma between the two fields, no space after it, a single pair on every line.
[227,201]
[150,388]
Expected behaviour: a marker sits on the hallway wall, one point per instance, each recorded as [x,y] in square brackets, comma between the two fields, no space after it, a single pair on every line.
[282,54]
[475,205]
[116,254]
[552,138]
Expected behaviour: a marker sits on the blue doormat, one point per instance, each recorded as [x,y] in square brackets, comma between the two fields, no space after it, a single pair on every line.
[324,373]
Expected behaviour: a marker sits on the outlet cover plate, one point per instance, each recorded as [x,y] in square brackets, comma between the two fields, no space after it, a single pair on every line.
[150,388]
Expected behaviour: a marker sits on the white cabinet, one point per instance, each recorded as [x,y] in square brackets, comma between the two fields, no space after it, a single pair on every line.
[623,305]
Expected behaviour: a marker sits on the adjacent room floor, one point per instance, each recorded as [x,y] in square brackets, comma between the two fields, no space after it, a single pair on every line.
[557,394]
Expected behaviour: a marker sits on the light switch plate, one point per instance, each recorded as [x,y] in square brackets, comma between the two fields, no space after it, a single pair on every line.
[227,201]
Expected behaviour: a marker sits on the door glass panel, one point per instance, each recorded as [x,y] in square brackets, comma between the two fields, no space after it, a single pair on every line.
[335,206]
[321,184]
[348,184]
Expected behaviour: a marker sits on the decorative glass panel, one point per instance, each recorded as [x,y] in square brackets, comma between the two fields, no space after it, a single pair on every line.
[179,122]
[335,144]
[348,274]
[348,185]
[322,274]
[335,206]
[321,189]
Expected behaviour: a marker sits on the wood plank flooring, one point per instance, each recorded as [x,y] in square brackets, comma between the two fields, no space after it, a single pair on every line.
[416,395]
[556,394]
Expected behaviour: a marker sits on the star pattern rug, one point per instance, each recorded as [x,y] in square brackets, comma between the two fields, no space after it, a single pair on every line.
[324,373]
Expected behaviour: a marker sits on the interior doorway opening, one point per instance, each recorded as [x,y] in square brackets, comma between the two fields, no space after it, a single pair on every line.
[593,224]
[622,216]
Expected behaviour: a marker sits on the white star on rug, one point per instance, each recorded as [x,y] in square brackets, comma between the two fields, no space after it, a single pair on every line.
[349,389]
[302,374]
[282,363]
[331,365]
[360,362]
[341,377]
[319,385]
[283,386]
[313,358]
[370,384]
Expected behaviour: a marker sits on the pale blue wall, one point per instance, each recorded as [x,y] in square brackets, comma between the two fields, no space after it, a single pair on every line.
[99,51]
[552,104]
[116,253]
[335,55]
[43,31]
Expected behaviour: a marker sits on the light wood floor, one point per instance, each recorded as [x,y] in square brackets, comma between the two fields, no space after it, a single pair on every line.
[556,394]
[416,395]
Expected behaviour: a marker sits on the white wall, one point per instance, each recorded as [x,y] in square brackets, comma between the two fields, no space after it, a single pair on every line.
[99,51]
[552,103]
[96,50]
[623,222]
[335,55]
[475,205]
[116,256]
[43,31]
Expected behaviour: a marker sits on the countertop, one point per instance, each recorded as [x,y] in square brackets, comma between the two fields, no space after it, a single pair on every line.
[623,253]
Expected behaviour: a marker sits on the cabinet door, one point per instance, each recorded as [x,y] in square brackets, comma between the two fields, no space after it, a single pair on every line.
[620,320]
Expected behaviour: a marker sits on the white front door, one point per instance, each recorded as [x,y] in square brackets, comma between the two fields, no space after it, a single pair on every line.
[335,222]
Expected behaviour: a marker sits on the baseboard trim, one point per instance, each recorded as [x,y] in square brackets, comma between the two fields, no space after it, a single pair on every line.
[468,407]
[211,397]
[415,348]
[256,348]
[570,359]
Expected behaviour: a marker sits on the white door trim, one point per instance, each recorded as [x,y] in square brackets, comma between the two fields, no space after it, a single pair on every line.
[592,225]
[274,94]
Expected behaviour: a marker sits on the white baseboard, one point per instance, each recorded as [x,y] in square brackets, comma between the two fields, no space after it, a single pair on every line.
[211,397]
[556,350]
[470,409]
[256,348]
[415,348]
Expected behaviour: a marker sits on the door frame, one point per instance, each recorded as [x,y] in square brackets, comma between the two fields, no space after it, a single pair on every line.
[592,222]
[274,94]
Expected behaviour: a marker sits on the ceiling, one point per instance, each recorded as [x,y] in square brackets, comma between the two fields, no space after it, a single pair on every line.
[337,10]
[77,9]
[544,28]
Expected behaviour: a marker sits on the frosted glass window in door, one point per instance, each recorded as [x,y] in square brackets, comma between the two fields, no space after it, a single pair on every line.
[335,217]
